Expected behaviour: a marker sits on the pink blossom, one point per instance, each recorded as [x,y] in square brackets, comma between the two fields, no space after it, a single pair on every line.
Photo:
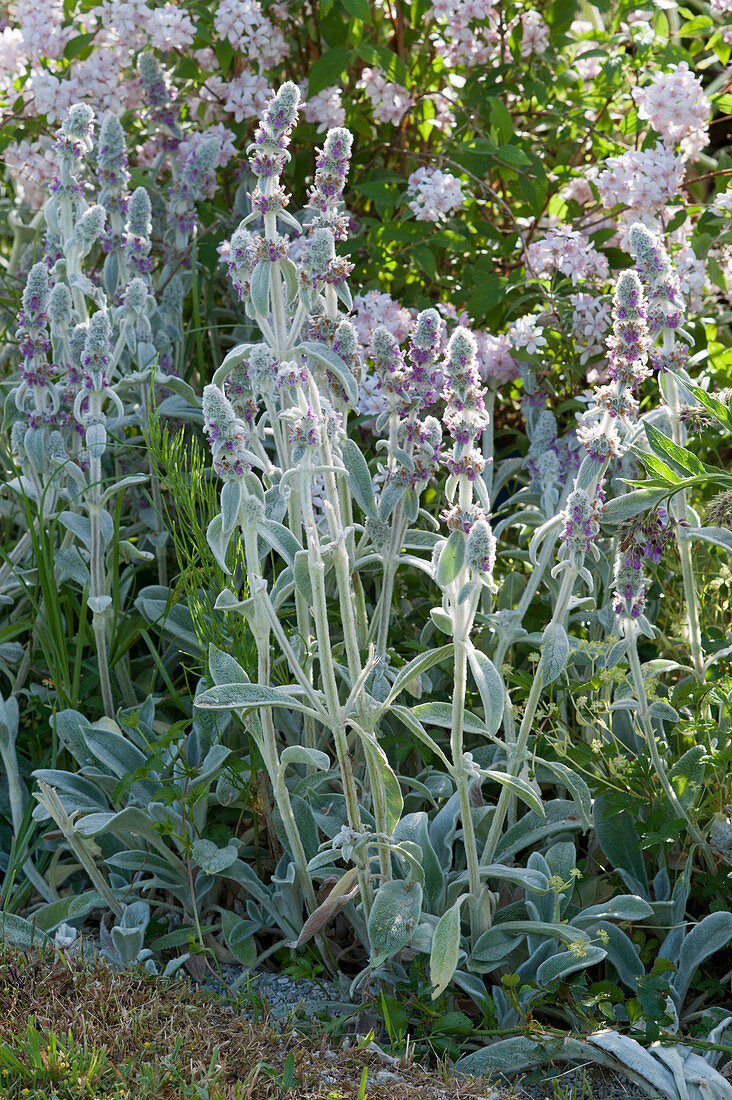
[433,194]
[692,275]
[677,108]
[526,334]
[642,179]
[170,28]
[31,166]
[566,250]
[390,102]
[494,357]
[42,27]
[376,308]
[589,324]
[250,30]
[225,138]
[535,37]
[325,108]
[468,31]
[244,96]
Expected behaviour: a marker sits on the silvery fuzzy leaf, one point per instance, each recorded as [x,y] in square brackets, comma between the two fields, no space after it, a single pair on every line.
[113,751]
[35,448]
[414,828]
[95,438]
[452,559]
[440,714]
[87,794]
[442,620]
[110,273]
[218,540]
[663,710]
[393,800]
[532,880]
[129,552]
[717,536]
[616,653]
[624,507]
[9,718]
[210,767]
[232,359]
[21,932]
[622,907]
[466,591]
[394,917]
[301,754]
[223,668]
[687,774]
[711,934]
[414,668]
[99,604]
[333,362]
[239,937]
[623,954]
[359,478]
[128,943]
[445,951]
[490,686]
[238,696]
[212,859]
[523,790]
[566,962]
[575,784]
[415,727]
[280,538]
[561,817]
[259,287]
[301,572]
[390,496]
[344,294]
[132,821]
[232,496]
[618,838]
[554,653]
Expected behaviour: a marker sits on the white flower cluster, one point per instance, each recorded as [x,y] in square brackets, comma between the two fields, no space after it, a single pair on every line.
[325,109]
[433,194]
[526,334]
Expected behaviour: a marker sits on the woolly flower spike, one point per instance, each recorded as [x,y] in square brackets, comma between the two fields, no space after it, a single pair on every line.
[112,170]
[159,95]
[262,372]
[241,261]
[137,297]
[304,435]
[32,331]
[480,551]
[628,346]
[424,347]
[391,369]
[59,307]
[96,354]
[580,525]
[139,228]
[269,151]
[90,227]
[601,442]
[331,169]
[35,295]
[195,179]
[78,124]
[630,589]
[227,435]
[465,417]
[666,305]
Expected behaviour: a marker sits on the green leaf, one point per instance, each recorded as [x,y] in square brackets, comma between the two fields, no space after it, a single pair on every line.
[575,784]
[440,714]
[500,118]
[678,458]
[627,505]
[385,59]
[328,69]
[687,775]
[303,582]
[78,44]
[359,9]
[554,653]
[212,859]
[415,727]
[301,754]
